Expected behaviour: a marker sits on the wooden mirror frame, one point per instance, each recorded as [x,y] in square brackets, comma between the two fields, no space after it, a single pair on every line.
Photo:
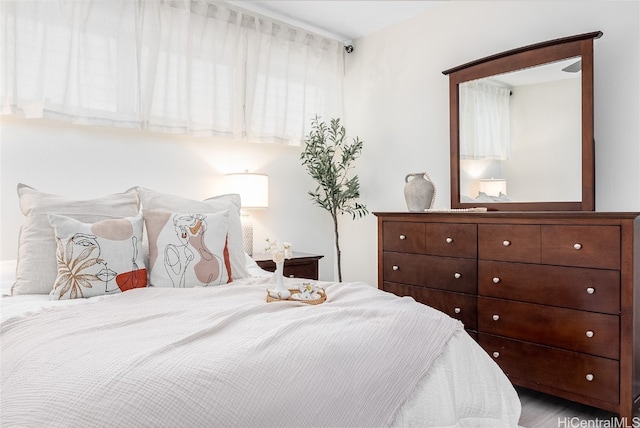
[518,59]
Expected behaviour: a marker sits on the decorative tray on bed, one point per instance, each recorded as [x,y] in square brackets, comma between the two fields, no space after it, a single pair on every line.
[318,296]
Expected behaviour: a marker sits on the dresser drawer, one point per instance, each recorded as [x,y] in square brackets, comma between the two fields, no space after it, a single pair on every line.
[448,273]
[405,268]
[459,306]
[580,331]
[307,270]
[453,274]
[594,290]
[589,246]
[530,365]
[452,239]
[404,237]
[510,243]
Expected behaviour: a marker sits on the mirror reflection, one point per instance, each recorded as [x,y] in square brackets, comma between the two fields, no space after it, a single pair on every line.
[521,135]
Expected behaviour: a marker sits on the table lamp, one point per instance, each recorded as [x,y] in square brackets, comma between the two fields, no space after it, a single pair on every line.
[254,194]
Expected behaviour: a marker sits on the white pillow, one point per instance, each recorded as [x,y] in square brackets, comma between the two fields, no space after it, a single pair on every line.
[36,267]
[188,250]
[152,200]
[483,197]
[99,258]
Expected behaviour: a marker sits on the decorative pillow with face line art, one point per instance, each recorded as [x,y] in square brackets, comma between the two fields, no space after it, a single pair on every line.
[99,258]
[188,249]
[153,200]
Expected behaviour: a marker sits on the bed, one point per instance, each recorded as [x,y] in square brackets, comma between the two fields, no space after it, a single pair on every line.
[219,354]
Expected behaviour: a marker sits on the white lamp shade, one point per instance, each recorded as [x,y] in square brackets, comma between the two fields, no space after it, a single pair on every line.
[493,186]
[253,189]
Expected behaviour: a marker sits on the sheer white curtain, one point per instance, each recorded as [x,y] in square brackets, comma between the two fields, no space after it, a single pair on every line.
[484,121]
[188,67]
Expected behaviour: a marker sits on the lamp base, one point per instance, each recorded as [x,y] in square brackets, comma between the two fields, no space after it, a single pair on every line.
[247,233]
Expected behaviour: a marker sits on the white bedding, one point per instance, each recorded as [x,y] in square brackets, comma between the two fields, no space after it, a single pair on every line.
[462,387]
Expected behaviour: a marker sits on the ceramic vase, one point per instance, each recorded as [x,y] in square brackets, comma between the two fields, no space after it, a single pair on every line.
[279,291]
[419,192]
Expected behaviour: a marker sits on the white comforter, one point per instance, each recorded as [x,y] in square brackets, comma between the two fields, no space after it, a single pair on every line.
[224,357]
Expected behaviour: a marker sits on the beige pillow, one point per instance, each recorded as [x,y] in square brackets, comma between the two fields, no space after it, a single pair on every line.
[152,200]
[36,269]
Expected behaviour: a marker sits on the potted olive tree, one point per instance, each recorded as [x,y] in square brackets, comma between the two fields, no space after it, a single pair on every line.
[329,157]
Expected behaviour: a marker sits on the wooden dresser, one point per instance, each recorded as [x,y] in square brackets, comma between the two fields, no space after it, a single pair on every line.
[551,296]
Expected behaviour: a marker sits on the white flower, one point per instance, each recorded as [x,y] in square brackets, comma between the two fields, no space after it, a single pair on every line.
[278,254]
[306,287]
[288,253]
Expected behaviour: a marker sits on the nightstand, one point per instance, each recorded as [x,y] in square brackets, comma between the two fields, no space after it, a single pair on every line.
[301,265]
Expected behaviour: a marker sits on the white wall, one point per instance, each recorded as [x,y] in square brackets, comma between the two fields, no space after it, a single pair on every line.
[84,162]
[397,99]
[546,140]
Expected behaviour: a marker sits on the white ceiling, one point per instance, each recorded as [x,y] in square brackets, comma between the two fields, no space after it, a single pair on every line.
[343,20]
[550,72]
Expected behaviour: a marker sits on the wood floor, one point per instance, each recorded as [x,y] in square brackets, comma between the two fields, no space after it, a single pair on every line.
[544,411]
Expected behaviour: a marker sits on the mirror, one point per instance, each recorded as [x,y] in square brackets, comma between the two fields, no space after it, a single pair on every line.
[521,125]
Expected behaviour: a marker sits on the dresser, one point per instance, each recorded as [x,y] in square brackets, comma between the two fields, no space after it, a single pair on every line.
[551,296]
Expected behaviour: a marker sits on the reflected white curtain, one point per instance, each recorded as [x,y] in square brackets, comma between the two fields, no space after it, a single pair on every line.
[484,121]
[188,67]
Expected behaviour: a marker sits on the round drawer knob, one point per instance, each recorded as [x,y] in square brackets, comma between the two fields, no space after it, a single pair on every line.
[589,333]
[395,267]
[449,240]
[577,246]
[403,237]
[496,354]
[457,310]
[589,377]
[591,290]
[457,275]
[496,280]
[506,243]
[496,317]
